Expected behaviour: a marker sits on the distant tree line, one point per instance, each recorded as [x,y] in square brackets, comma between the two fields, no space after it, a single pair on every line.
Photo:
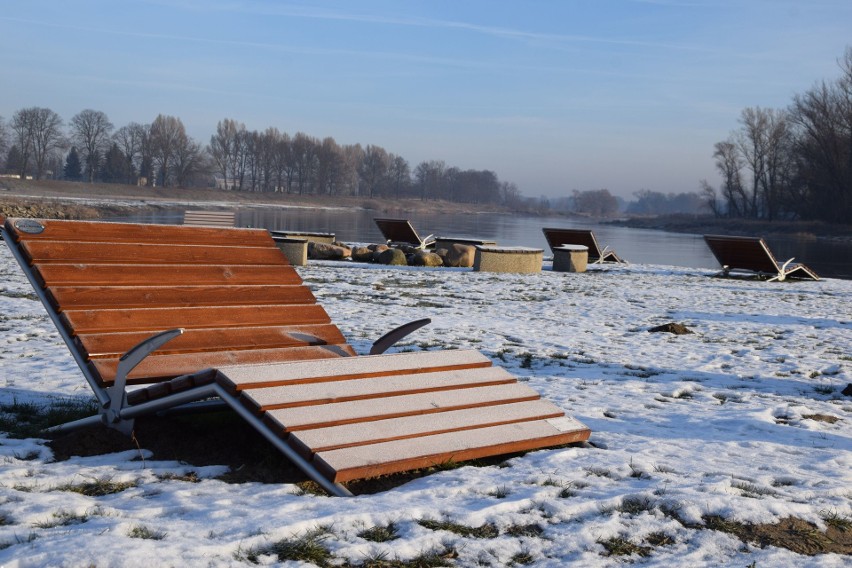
[790,163]
[35,143]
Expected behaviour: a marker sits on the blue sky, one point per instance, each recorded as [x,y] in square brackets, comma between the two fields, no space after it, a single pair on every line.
[552,95]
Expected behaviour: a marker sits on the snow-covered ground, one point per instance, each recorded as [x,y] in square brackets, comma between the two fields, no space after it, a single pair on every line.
[713,423]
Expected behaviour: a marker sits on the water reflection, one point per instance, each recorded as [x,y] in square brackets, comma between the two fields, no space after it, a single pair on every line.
[829,259]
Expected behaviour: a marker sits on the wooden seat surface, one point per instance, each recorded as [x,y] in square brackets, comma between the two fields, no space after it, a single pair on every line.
[365,416]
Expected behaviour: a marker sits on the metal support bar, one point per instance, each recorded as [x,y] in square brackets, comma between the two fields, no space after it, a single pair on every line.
[100,393]
[335,489]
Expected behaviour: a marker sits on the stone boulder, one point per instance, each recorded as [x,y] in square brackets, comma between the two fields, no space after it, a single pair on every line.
[460,255]
[362,254]
[425,258]
[393,257]
[325,251]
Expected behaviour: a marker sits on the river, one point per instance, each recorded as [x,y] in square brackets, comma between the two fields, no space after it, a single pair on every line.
[828,258]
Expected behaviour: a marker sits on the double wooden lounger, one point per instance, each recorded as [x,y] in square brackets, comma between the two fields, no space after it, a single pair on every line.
[202,312]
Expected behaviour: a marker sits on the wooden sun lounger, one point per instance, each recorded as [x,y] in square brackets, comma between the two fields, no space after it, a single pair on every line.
[191,313]
[752,255]
[400,231]
[558,237]
[209,218]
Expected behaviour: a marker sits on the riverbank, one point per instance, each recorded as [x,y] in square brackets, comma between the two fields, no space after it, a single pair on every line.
[706,224]
[72,200]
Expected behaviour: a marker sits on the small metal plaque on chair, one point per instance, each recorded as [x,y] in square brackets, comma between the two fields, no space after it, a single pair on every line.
[29,226]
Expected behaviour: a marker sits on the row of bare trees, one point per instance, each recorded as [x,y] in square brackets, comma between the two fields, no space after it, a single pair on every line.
[790,163]
[35,143]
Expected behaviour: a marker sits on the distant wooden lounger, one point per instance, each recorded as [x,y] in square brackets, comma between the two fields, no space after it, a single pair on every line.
[400,231]
[752,255]
[558,237]
[209,218]
[191,313]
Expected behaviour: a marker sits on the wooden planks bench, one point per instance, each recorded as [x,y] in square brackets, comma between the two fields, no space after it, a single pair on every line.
[209,218]
[752,255]
[585,237]
[190,313]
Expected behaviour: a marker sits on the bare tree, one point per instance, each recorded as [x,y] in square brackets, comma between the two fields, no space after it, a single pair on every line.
[221,147]
[305,160]
[330,167]
[597,203]
[399,174]
[188,160]
[822,121]
[729,162]
[353,155]
[90,129]
[167,132]
[429,176]
[374,168]
[133,141]
[38,132]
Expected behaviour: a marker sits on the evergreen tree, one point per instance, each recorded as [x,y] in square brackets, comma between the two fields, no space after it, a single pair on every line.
[13,160]
[116,167]
[73,167]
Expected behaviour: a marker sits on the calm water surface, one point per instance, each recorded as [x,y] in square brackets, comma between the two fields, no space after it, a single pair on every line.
[828,259]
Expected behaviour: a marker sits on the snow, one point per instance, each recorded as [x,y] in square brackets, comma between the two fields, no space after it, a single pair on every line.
[712,423]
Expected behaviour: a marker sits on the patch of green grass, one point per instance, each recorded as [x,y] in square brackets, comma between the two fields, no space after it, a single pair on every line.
[840,522]
[190,477]
[824,389]
[659,539]
[5,520]
[531,530]
[484,531]
[500,492]
[526,361]
[384,533]
[98,487]
[636,505]
[143,532]
[28,420]
[62,518]
[523,557]
[751,490]
[598,472]
[619,546]
[718,523]
[305,548]
[18,540]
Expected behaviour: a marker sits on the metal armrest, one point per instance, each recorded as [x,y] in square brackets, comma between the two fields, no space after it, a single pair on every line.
[128,362]
[383,343]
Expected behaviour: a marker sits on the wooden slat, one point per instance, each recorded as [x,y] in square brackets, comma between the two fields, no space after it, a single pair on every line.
[306,417]
[307,442]
[402,455]
[155,367]
[63,274]
[98,231]
[209,218]
[147,319]
[744,253]
[237,379]
[375,387]
[78,297]
[558,237]
[212,339]
[145,253]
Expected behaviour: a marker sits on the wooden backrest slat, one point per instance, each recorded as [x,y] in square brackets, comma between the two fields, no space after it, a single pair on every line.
[141,319]
[97,231]
[79,274]
[78,297]
[144,253]
[106,344]
[115,284]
